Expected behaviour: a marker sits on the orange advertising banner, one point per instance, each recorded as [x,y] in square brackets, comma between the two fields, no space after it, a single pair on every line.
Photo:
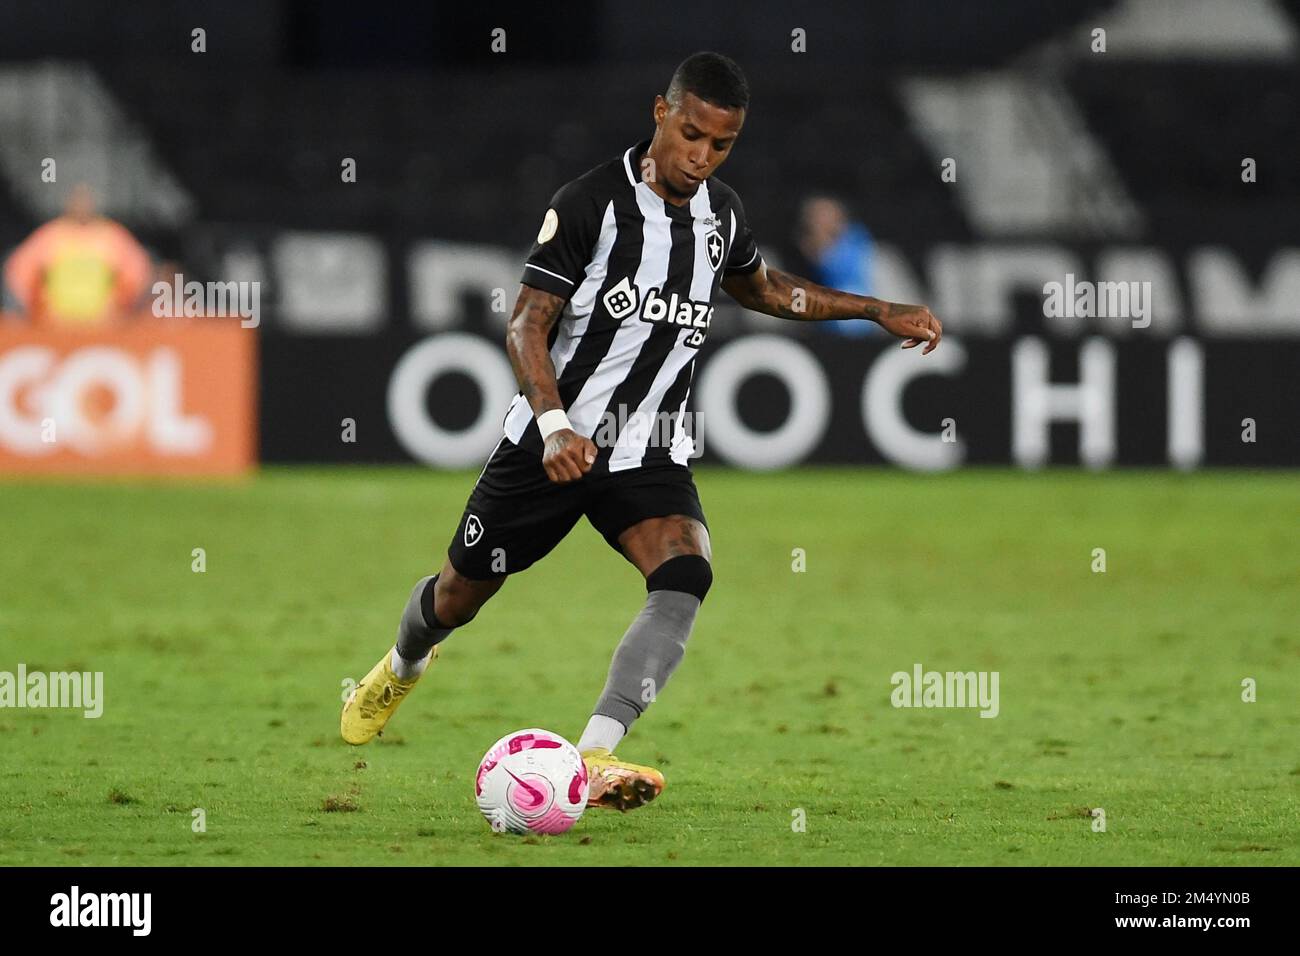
[151,397]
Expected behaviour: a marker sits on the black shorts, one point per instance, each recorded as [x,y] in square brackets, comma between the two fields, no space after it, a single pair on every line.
[516,515]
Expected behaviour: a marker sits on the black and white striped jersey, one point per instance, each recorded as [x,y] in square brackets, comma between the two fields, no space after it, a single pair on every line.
[640,276]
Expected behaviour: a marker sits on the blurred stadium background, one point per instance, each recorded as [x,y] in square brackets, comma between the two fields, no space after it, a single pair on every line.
[225,153]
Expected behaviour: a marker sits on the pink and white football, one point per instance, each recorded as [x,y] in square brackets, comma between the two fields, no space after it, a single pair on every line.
[531,781]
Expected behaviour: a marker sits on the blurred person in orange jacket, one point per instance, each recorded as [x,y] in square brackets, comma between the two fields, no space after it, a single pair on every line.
[80,270]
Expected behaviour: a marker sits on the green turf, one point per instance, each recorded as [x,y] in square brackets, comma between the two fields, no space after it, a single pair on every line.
[1119,690]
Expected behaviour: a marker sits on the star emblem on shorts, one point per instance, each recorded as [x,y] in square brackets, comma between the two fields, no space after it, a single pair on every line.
[473,530]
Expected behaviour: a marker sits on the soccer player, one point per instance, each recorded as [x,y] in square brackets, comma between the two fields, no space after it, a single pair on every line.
[616,298]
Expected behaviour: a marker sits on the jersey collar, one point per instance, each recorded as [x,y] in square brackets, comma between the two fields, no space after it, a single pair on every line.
[632,160]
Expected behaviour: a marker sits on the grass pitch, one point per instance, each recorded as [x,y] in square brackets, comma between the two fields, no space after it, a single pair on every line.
[1119,690]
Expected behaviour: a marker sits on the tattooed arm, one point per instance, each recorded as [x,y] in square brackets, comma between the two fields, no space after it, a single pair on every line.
[567,456]
[787,296]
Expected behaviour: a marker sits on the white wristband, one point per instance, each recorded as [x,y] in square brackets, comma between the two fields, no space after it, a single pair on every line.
[550,422]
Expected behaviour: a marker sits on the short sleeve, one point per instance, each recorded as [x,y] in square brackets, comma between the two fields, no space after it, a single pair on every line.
[558,259]
[743,258]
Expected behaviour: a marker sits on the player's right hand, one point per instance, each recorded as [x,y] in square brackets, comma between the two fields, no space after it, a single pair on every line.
[567,456]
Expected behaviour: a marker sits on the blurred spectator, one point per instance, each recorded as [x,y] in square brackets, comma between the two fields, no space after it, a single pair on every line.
[80,270]
[840,252]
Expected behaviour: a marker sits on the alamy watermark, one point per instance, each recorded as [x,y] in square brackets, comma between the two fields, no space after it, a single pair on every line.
[1103,300]
[129,910]
[680,431]
[922,688]
[79,690]
[196,299]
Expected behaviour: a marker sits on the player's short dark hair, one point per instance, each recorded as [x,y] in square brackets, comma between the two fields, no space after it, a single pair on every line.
[714,78]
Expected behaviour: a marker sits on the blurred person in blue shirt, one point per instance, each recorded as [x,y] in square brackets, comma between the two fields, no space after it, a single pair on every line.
[840,252]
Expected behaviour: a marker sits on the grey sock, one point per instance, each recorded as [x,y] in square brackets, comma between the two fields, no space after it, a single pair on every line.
[419,629]
[648,654]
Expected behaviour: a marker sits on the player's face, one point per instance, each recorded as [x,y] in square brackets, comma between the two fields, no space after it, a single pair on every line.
[692,140]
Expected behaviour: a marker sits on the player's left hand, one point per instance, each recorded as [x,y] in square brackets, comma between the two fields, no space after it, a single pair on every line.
[914,324]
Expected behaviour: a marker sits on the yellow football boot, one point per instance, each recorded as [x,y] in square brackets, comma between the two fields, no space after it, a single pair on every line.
[374,700]
[617,784]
